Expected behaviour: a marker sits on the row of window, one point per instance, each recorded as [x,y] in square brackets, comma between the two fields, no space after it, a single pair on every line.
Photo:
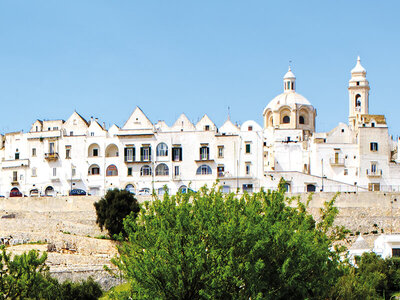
[146,170]
[145,152]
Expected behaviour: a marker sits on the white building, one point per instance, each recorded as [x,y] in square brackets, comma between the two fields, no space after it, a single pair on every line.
[57,156]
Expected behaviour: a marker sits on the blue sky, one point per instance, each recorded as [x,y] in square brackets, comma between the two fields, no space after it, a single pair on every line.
[103,58]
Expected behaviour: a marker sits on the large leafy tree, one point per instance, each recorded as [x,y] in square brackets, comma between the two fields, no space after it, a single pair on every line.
[113,208]
[208,245]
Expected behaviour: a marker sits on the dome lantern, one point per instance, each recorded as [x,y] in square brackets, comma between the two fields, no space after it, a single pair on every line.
[289,81]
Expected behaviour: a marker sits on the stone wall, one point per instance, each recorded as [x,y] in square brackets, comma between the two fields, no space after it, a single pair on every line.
[72,221]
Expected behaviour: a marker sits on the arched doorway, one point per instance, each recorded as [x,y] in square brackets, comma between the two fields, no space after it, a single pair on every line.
[49,191]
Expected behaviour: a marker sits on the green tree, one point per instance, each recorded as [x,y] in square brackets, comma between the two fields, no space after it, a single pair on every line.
[113,208]
[214,246]
[372,278]
[26,276]
[23,276]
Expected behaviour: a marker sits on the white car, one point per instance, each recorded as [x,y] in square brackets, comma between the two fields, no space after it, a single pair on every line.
[144,192]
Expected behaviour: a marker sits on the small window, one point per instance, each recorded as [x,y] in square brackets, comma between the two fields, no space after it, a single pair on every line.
[346,172]
[16,155]
[342,130]
[130,171]
[33,152]
[395,252]
[372,124]
[73,171]
[71,133]
[248,169]
[95,152]
[248,148]
[177,154]
[207,128]
[220,151]
[204,153]
[221,171]
[34,172]
[286,120]
[374,146]
[250,128]
[92,134]
[54,172]
[301,120]
[358,83]
[176,171]
[67,152]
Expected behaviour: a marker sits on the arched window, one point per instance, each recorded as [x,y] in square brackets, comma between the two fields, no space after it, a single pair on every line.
[112,151]
[162,149]
[145,170]
[286,120]
[358,100]
[162,170]
[94,170]
[310,188]
[94,150]
[204,170]
[301,120]
[130,188]
[112,170]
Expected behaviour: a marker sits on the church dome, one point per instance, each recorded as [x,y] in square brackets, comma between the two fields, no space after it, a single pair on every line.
[289,99]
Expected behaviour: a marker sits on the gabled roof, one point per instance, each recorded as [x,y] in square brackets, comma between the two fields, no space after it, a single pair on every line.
[78,118]
[205,120]
[183,124]
[94,125]
[161,126]
[137,120]
[228,127]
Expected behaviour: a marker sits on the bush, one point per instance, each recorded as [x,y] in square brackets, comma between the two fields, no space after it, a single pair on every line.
[113,208]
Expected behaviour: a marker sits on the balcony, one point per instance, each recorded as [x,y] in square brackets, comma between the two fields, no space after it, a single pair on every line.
[374,173]
[336,162]
[52,156]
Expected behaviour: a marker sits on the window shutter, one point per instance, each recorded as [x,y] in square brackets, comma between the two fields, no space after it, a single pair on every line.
[126,153]
[180,153]
[141,153]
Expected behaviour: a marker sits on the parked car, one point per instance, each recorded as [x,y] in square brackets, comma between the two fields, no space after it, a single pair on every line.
[144,192]
[77,192]
[15,193]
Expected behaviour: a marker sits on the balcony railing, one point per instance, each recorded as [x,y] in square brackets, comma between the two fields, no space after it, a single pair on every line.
[374,173]
[336,162]
[51,156]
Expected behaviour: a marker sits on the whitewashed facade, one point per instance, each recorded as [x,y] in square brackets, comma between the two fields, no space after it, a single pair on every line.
[57,156]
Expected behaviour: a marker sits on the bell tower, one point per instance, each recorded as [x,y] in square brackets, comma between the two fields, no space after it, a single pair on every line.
[358,93]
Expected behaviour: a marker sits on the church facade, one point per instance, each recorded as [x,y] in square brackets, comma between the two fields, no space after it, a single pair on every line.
[57,156]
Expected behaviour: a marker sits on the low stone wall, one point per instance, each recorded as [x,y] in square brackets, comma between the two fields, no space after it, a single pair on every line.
[72,220]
